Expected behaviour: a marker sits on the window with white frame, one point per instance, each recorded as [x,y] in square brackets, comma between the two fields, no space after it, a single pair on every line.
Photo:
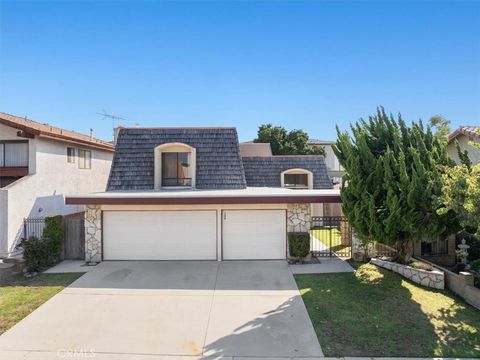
[175,165]
[84,159]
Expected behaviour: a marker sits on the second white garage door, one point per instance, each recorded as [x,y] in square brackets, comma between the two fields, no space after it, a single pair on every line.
[160,235]
[254,234]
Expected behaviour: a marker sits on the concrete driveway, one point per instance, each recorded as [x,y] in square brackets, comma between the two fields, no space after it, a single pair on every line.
[135,309]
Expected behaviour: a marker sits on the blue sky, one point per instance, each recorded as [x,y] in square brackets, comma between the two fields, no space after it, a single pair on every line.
[306,65]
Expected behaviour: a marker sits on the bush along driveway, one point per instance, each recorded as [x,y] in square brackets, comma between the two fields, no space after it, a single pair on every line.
[23,295]
[375,312]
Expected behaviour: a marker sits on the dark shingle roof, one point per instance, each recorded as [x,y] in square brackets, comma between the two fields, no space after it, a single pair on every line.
[266,171]
[219,165]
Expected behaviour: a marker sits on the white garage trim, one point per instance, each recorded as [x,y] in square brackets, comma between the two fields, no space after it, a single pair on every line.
[178,227]
[243,244]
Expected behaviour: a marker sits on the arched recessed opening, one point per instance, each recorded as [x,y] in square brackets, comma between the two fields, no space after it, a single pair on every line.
[175,166]
[297,179]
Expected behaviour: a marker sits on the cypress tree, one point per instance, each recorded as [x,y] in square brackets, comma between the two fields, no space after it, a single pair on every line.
[392,178]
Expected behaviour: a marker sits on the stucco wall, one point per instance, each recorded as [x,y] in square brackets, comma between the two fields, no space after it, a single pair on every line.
[473,152]
[331,159]
[42,192]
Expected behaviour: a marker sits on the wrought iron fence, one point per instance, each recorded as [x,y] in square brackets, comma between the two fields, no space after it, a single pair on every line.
[33,226]
[330,236]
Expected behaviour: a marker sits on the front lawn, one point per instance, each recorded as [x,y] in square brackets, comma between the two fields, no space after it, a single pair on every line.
[329,237]
[23,295]
[375,312]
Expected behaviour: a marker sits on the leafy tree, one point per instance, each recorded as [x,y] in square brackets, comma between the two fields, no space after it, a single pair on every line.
[283,142]
[461,192]
[392,177]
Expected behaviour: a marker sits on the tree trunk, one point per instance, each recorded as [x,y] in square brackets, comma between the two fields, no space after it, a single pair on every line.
[405,251]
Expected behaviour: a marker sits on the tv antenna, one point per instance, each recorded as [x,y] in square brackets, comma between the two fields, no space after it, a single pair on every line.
[111,117]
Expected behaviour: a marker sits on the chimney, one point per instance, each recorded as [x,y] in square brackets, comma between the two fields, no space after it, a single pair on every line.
[91,134]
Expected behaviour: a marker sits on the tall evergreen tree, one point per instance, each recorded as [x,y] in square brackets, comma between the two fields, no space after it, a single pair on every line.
[392,176]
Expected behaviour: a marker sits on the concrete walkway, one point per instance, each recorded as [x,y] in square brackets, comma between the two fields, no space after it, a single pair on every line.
[158,310]
[69,266]
[326,266]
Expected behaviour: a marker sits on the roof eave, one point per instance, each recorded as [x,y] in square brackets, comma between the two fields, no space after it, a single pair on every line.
[36,132]
[203,200]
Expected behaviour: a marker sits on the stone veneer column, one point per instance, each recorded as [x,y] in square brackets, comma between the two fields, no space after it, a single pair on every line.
[298,218]
[93,233]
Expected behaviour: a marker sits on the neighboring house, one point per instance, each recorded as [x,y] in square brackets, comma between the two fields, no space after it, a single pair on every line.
[188,194]
[464,135]
[335,170]
[39,164]
[442,251]
[255,149]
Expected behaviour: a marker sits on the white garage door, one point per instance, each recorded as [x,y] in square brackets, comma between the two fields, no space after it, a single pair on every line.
[254,234]
[159,235]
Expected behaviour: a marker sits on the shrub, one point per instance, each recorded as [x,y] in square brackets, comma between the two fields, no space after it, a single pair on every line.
[37,253]
[475,266]
[53,231]
[299,244]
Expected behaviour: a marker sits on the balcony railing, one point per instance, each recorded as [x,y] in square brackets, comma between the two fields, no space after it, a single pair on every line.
[177,182]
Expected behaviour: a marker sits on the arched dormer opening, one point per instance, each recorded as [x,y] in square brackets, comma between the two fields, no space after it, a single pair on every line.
[175,166]
[297,179]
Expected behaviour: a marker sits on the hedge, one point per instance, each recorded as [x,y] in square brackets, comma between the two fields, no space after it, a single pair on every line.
[299,244]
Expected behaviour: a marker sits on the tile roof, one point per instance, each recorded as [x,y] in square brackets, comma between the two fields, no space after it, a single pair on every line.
[219,165]
[52,132]
[266,171]
[470,131]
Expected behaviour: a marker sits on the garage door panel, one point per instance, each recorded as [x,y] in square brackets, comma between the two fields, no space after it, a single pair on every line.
[254,234]
[159,235]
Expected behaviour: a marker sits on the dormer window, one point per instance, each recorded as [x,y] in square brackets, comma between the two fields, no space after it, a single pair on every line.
[176,169]
[175,165]
[297,179]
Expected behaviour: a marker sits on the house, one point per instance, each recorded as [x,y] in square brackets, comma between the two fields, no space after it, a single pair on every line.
[335,171]
[252,149]
[188,194]
[442,251]
[39,164]
[464,135]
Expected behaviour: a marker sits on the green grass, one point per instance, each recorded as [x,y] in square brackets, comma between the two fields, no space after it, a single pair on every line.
[22,296]
[324,234]
[375,312]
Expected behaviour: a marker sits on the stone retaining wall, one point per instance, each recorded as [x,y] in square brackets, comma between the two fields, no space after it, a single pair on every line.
[434,279]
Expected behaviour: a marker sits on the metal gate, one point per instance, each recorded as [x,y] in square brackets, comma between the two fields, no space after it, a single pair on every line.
[74,234]
[330,236]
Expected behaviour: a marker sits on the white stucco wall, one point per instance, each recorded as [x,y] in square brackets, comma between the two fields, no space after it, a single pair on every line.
[43,191]
[473,152]
[331,159]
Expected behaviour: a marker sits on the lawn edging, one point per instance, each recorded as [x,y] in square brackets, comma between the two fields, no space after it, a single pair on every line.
[434,279]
